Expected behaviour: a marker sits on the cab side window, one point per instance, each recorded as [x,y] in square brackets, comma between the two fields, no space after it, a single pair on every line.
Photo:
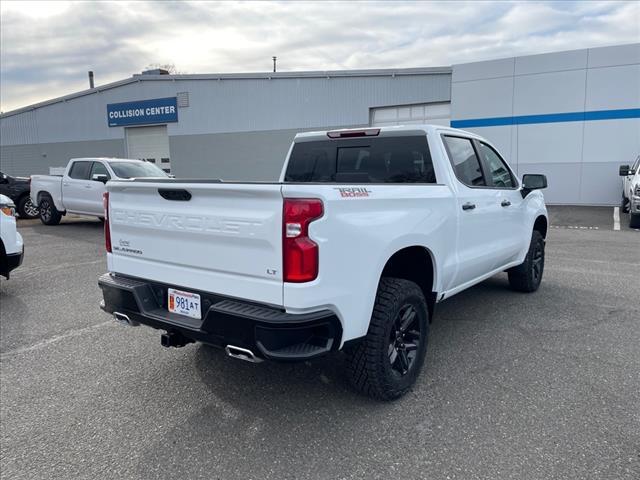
[99,169]
[464,160]
[80,170]
[497,169]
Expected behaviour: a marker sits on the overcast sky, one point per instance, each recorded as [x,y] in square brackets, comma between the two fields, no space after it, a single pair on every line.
[46,48]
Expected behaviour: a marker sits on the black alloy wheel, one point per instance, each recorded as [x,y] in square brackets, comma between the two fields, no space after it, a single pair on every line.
[404,340]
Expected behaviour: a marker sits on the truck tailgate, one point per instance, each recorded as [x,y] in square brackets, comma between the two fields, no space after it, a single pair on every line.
[224,239]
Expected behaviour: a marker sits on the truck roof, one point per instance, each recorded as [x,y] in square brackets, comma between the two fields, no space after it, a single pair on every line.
[393,130]
[106,159]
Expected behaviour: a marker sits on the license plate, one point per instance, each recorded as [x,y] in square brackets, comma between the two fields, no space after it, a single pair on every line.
[184,303]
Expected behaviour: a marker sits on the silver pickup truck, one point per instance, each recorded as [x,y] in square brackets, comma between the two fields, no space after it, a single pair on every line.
[80,189]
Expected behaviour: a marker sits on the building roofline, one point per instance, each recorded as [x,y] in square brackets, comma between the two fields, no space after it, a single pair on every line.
[382,72]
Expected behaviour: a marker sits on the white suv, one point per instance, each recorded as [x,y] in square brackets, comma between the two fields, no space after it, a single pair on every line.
[11,246]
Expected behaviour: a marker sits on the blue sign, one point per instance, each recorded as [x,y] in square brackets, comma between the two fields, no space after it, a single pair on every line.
[142,112]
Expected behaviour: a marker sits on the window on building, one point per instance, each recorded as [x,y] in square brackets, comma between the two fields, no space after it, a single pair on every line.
[464,160]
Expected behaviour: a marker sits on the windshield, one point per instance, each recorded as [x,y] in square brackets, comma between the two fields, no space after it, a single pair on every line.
[136,170]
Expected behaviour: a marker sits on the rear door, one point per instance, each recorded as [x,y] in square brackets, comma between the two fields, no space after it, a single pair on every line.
[76,186]
[478,212]
[213,237]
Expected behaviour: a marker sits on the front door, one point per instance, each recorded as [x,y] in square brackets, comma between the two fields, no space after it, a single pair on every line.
[509,227]
[95,193]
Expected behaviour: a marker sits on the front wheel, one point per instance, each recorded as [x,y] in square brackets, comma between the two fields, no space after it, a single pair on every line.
[634,220]
[26,208]
[386,363]
[49,214]
[527,276]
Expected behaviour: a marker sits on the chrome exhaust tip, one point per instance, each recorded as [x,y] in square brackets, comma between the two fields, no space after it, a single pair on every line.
[242,354]
[122,318]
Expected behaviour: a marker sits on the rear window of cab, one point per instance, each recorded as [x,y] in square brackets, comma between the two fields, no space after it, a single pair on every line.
[362,160]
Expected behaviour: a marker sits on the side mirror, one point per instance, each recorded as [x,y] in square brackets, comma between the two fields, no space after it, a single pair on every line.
[100,177]
[624,170]
[4,179]
[533,182]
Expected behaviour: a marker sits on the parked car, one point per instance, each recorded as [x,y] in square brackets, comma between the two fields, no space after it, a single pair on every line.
[365,232]
[11,245]
[17,189]
[626,182]
[631,183]
[81,187]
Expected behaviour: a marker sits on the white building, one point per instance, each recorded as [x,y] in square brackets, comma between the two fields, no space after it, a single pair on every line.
[574,116]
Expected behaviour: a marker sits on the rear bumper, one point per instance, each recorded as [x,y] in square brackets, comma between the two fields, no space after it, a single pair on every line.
[270,333]
[14,260]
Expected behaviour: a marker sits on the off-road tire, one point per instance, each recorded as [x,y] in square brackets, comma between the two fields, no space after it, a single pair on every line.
[527,276]
[369,365]
[49,214]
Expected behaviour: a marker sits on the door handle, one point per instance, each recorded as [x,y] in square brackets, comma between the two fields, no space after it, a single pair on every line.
[87,186]
[505,203]
[65,184]
[468,206]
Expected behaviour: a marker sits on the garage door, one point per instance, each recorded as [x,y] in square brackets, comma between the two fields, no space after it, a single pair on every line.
[433,113]
[150,144]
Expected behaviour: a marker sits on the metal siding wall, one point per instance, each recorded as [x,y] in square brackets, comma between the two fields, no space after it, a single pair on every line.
[37,158]
[248,156]
[231,105]
[19,129]
[298,103]
[207,140]
[580,158]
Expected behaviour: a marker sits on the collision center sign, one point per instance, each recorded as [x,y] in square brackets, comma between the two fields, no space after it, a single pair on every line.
[142,112]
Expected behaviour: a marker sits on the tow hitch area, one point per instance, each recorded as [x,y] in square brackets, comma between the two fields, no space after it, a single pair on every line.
[174,339]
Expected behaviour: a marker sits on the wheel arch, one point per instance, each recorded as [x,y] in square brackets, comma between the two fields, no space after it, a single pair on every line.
[416,264]
[541,224]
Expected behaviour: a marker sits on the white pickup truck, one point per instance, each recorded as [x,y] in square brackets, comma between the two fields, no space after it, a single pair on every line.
[631,192]
[81,188]
[351,250]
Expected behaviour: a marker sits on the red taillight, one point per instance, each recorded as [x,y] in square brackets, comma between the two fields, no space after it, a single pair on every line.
[299,252]
[107,229]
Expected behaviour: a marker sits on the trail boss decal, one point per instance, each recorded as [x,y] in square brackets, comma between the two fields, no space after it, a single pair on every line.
[353,192]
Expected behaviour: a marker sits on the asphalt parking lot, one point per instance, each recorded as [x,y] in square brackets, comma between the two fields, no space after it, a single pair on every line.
[545,385]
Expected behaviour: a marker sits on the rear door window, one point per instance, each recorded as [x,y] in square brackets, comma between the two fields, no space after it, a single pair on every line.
[372,160]
[464,160]
[80,170]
